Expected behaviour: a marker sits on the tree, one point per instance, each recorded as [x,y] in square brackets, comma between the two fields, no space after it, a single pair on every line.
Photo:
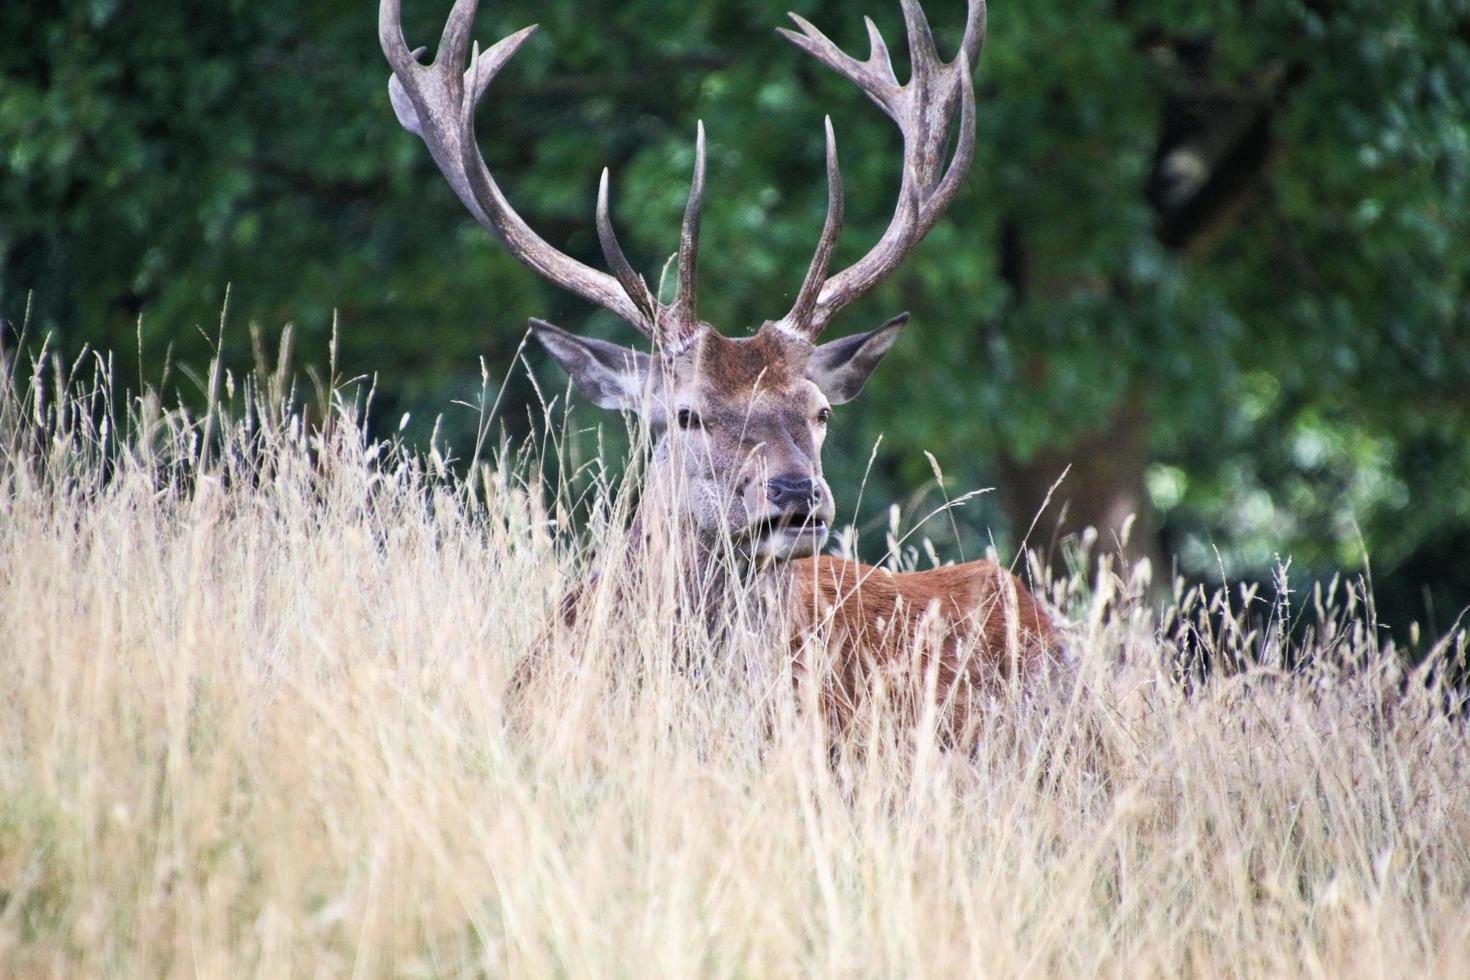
[1209,255]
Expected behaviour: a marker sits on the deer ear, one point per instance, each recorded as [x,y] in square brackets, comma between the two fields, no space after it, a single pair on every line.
[610,376]
[841,368]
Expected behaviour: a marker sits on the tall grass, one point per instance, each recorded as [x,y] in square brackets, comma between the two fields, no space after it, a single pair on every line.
[256,718]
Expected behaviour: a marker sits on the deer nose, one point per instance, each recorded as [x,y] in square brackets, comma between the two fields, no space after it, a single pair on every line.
[789,493]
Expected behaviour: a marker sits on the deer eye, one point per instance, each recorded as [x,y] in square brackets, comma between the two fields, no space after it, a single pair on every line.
[823,414]
[689,419]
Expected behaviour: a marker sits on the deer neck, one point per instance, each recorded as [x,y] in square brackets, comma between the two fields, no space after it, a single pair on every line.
[663,538]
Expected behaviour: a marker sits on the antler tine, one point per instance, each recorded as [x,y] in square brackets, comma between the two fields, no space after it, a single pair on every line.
[390,38]
[874,76]
[437,101]
[974,40]
[878,51]
[454,42]
[922,108]
[633,284]
[964,153]
[683,314]
[811,287]
[923,55]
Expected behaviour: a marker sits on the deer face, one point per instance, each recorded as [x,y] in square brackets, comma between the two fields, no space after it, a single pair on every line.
[739,423]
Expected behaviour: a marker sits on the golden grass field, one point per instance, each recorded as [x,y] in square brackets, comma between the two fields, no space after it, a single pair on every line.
[254,722]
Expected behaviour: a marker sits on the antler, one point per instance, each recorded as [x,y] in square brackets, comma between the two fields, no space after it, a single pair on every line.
[436,102]
[922,110]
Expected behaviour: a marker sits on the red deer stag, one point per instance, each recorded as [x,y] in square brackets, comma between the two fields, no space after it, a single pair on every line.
[739,421]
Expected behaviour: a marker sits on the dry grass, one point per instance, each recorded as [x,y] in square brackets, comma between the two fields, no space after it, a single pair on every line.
[253,720]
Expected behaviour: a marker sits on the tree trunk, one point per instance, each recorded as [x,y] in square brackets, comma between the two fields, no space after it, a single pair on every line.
[1214,150]
[1104,489]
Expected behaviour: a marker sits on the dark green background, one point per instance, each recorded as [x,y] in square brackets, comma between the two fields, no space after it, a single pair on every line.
[1214,253]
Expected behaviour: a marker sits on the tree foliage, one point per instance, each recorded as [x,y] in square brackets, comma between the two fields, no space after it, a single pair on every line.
[1246,219]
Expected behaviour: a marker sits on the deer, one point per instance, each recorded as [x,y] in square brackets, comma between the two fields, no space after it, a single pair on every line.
[737,423]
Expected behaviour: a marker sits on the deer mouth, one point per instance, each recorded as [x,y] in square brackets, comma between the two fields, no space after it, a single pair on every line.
[794,534]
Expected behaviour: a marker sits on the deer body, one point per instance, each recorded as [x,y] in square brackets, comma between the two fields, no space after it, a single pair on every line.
[974,625]
[739,422]
[880,613]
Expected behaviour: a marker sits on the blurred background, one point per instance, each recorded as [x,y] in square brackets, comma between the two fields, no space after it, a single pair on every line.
[1212,254]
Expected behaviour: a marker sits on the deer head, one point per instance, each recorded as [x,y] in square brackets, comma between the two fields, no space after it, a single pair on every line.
[739,421]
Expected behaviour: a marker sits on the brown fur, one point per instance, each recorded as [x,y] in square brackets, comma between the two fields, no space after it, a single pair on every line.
[770,358]
[970,626]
